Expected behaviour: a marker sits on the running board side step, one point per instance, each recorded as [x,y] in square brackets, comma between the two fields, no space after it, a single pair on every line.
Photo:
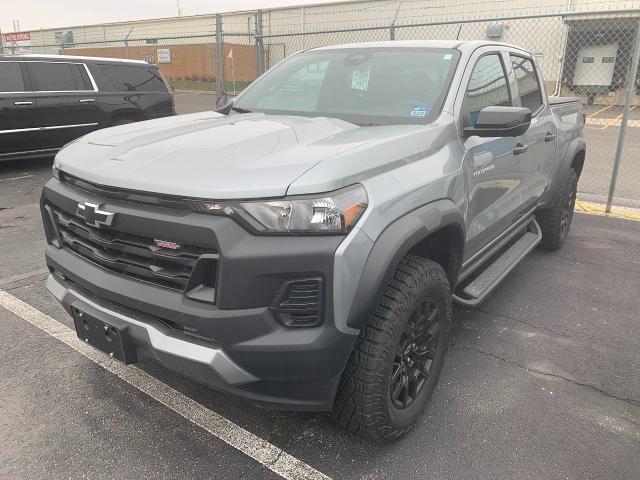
[474,292]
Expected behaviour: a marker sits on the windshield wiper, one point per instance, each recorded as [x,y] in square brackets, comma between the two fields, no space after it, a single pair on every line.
[240,110]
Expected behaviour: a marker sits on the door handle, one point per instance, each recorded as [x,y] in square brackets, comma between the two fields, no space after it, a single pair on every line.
[519,148]
[23,103]
[549,136]
[86,100]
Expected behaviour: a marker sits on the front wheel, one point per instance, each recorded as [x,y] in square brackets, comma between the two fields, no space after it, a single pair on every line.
[398,357]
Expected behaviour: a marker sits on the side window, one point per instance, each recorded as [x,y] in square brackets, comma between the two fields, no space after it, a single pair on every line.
[125,78]
[528,86]
[487,87]
[59,77]
[11,77]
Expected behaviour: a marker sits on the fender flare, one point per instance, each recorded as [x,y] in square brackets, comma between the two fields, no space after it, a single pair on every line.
[391,245]
[560,171]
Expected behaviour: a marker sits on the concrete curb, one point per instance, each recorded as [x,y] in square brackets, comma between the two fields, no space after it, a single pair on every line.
[599,209]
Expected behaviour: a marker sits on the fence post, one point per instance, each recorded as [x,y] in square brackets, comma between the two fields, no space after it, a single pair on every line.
[126,44]
[220,87]
[631,87]
[259,45]
[392,27]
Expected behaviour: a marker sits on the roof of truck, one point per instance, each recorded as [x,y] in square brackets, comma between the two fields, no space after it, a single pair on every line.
[32,56]
[466,45]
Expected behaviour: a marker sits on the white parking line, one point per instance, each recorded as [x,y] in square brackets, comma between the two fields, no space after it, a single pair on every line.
[15,178]
[23,276]
[257,448]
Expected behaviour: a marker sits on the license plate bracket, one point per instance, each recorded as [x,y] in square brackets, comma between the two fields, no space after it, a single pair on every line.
[107,335]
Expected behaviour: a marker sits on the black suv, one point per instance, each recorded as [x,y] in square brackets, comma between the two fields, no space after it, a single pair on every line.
[49,100]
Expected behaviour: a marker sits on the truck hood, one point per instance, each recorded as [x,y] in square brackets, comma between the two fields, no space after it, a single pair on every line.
[209,155]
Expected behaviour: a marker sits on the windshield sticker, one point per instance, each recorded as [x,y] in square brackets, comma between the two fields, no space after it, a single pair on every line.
[447,56]
[419,111]
[360,79]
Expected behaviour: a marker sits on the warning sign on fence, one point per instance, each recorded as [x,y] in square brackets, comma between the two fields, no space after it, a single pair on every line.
[17,43]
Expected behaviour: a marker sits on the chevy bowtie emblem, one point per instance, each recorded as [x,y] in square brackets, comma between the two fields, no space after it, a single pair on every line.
[92,215]
[167,244]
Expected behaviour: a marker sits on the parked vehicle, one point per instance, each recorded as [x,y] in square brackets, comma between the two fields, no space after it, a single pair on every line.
[303,248]
[49,100]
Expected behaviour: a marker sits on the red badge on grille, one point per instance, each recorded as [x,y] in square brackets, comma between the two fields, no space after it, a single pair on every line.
[166,244]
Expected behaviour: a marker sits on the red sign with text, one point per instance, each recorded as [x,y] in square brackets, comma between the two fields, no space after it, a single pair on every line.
[17,37]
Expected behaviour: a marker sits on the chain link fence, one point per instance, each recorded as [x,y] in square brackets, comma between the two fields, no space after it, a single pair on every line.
[587,55]
[591,55]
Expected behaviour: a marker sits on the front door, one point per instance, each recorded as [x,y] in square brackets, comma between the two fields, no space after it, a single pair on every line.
[66,101]
[492,182]
[18,119]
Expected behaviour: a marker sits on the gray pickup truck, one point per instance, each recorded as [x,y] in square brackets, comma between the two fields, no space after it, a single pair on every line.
[302,247]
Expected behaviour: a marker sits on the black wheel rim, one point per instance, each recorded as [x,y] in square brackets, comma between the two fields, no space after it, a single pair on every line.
[567,211]
[415,354]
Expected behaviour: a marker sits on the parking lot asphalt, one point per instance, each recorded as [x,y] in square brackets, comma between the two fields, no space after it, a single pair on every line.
[541,381]
[191,102]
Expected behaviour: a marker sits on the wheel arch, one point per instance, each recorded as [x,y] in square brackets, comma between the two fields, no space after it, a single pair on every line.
[434,231]
[578,161]
[574,157]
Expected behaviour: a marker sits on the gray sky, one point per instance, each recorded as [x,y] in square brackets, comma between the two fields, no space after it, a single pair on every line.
[34,14]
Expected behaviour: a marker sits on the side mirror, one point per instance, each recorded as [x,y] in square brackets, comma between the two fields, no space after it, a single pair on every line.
[500,122]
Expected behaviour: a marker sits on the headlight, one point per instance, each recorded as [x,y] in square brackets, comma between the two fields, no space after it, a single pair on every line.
[331,213]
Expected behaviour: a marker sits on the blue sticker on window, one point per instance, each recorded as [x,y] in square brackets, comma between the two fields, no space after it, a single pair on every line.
[419,111]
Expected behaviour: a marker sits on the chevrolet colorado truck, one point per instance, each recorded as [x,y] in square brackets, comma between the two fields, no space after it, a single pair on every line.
[302,247]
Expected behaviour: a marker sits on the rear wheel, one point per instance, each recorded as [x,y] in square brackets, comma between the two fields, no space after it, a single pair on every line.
[398,357]
[555,221]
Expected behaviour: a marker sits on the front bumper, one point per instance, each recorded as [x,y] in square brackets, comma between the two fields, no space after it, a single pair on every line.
[235,345]
[156,340]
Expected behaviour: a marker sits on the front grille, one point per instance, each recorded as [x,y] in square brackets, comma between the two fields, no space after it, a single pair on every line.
[159,200]
[127,254]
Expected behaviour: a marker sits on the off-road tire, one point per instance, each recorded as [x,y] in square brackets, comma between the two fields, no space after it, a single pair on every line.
[555,221]
[364,402]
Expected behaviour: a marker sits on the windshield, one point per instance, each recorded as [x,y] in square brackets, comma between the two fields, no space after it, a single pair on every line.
[366,86]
